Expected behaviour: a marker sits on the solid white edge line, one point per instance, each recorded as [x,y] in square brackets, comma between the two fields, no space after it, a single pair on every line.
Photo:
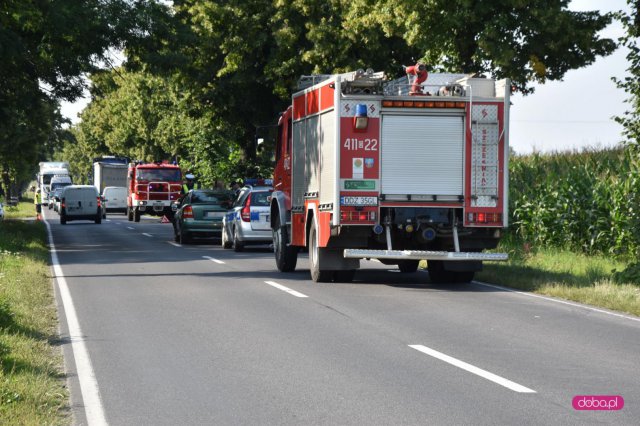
[563,302]
[87,378]
[174,244]
[473,369]
[213,260]
[285,289]
[147,235]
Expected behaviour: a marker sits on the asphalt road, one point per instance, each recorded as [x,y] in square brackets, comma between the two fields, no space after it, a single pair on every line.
[194,335]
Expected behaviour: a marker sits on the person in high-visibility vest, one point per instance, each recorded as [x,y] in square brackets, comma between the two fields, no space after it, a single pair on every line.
[37,200]
[189,184]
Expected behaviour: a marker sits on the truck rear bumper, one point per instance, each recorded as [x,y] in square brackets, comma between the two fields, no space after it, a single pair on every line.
[423,255]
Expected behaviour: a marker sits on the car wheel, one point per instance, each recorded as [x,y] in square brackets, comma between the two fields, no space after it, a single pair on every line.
[318,274]
[63,219]
[184,238]
[226,244]
[286,255]
[237,244]
[98,219]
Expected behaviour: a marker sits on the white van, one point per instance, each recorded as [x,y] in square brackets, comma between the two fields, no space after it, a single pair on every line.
[80,202]
[114,199]
[58,182]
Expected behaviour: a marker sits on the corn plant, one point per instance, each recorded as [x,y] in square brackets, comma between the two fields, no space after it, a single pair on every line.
[586,201]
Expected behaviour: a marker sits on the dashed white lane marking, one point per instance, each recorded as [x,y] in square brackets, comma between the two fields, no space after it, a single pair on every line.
[174,244]
[213,260]
[87,378]
[130,227]
[107,220]
[147,235]
[564,302]
[473,369]
[285,289]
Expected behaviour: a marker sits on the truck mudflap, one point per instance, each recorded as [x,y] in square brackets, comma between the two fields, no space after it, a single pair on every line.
[423,255]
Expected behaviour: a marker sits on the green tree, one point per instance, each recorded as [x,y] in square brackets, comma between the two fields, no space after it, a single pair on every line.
[45,48]
[631,84]
[524,40]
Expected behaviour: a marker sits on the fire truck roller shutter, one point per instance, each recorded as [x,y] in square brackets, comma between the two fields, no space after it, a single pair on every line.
[422,155]
[328,145]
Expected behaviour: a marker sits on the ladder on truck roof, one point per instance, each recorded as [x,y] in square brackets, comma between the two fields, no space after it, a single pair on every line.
[359,81]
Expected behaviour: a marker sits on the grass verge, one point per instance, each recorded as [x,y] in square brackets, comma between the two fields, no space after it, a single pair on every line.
[32,385]
[564,274]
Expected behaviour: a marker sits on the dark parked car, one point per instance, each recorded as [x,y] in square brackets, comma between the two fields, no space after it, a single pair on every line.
[200,214]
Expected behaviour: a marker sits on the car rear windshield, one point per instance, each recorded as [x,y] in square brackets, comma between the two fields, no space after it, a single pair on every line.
[201,197]
[159,175]
[260,199]
[57,185]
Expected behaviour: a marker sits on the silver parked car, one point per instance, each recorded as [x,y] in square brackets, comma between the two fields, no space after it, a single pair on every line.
[248,220]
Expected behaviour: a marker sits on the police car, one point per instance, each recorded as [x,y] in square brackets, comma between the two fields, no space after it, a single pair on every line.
[248,220]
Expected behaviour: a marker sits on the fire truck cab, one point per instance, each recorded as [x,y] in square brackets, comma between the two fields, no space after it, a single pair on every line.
[152,189]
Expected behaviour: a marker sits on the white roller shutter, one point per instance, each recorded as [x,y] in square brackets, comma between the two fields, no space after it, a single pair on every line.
[422,155]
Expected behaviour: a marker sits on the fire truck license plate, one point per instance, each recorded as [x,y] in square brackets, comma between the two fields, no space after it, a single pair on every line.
[359,201]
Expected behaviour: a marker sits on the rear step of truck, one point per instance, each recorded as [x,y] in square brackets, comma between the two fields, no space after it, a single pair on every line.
[422,255]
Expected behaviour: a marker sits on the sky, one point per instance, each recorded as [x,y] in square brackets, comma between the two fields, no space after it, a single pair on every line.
[572,114]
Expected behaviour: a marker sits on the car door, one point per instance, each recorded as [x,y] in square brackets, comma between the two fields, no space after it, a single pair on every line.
[260,209]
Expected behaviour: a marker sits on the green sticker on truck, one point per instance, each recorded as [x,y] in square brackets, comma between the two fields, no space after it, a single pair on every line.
[360,185]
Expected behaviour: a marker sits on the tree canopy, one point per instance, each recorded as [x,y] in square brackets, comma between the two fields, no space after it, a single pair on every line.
[45,49]
[204,79]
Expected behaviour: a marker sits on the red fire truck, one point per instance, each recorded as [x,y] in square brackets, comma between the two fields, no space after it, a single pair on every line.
[152,188]
[375,169]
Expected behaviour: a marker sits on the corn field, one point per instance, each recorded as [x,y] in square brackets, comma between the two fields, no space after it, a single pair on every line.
[586,201]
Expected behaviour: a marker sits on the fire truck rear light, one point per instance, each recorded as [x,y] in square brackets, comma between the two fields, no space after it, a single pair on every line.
[357,216]
[484,217]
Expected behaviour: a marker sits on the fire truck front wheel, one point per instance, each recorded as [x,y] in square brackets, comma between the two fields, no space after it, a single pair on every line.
[130,214]
[286,255]
[136,214]
[317,273]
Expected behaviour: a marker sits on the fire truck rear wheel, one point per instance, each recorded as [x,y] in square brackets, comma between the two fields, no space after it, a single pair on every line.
[317,274]
[345,276]
[438,274]
[136,214]
[408,266]
[286,255]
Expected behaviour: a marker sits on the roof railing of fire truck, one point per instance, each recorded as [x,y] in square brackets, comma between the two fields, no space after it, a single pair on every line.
[354,79]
